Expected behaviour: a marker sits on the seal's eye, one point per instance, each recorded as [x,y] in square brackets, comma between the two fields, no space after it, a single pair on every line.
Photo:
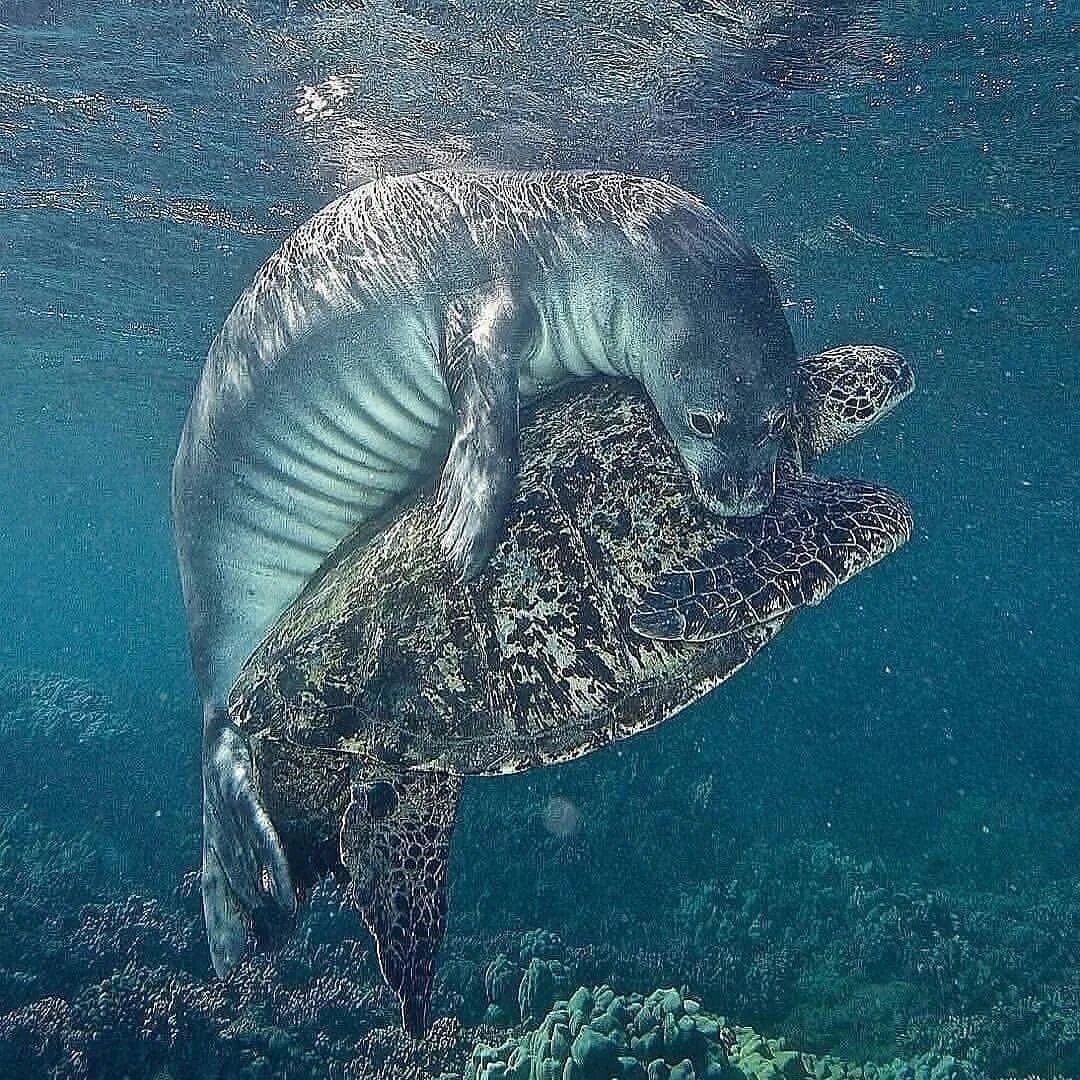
[701,424]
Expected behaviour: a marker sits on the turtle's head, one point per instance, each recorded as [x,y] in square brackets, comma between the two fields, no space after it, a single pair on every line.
[844,391]
[724,388]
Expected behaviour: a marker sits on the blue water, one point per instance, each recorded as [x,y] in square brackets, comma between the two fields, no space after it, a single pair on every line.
[908,172]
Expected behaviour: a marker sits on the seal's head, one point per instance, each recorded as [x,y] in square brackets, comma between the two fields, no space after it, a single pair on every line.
[724,386]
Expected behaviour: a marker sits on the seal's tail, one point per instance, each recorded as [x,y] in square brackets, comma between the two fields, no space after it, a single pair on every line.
[395,840]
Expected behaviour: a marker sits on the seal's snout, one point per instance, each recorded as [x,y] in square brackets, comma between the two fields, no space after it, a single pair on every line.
[730,497]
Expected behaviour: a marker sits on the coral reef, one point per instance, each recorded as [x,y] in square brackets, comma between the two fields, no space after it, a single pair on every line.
[81,765]
[57,711]
[866,956]
[103,971]
[600,1035]
[145,1000]
[525,986]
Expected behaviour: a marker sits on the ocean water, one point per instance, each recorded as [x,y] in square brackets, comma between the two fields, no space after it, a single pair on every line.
[866,844]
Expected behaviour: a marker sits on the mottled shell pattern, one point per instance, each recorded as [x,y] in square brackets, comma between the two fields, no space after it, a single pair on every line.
[536,662]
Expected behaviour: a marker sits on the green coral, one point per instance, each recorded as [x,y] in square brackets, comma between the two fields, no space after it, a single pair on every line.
[601,1035]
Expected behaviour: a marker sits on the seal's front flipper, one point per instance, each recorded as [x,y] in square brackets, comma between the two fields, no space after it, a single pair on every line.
[245,875]
[815,535]
[395,841]
[229,926]
[485,340]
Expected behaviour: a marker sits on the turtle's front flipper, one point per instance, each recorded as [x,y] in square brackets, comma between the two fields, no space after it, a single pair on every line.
[816,535]
[245,876]
[395,841]
[486,337]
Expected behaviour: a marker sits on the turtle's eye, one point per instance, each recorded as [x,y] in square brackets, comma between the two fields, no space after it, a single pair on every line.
[701,424]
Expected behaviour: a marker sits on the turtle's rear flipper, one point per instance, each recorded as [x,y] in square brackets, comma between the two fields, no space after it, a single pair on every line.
[815,535]
[395,840]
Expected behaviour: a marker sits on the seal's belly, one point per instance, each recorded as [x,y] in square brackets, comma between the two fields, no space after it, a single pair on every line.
[310,471]
[327,447]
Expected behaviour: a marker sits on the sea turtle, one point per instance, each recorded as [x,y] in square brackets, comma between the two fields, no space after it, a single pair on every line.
[388,680]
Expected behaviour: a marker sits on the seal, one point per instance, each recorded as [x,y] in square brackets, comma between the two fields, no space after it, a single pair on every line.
[387,346]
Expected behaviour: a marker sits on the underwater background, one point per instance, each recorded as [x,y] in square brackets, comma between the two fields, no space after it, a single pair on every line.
[863,848]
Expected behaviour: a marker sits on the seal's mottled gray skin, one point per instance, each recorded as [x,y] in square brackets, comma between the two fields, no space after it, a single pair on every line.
[386,348]
[388,680]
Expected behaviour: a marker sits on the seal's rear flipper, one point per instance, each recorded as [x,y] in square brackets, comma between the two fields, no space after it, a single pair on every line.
[816,535]
[246,885]
[395,840]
